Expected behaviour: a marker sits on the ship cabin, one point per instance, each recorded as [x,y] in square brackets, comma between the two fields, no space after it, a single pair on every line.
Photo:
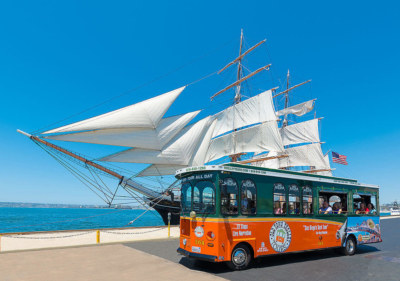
[234,213]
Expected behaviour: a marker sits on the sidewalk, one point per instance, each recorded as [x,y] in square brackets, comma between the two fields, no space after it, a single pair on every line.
[107,262]
[389,217]
[76,238]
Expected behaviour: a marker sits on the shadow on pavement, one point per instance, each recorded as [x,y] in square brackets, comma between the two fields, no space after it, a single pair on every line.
[273,260]
[292,258]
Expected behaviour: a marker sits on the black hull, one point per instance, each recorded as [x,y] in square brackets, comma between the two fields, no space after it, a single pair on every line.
[164,207]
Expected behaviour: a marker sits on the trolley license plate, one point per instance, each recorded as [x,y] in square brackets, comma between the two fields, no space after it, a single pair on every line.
[196,249]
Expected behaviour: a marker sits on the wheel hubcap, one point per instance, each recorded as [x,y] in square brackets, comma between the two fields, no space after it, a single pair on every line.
[350,246]
[239,257]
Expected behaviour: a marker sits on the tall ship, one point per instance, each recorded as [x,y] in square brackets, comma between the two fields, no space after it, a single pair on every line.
[263,128]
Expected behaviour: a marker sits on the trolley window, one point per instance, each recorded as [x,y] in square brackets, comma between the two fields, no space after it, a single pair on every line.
[294,199]
[372,205]
[336,204]
[196,199]
[249,197]
[204,197]
[186,197]
[229,194]
[307,200]
[364,203]
[332,202]
[279,199]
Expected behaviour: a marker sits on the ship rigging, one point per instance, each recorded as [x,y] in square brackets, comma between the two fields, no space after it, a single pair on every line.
[251,131]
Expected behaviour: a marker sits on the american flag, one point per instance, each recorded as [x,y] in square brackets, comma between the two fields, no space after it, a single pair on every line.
[337,158]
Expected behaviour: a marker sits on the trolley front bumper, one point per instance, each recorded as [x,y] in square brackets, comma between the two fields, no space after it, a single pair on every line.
[196,256]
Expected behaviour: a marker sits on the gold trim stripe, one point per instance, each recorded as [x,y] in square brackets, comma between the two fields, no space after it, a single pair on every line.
[219,220]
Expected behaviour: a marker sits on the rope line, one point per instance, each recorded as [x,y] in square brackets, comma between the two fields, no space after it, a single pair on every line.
[143,232]
[81,177]
[135,196]
[163,195]
[74,173]
[100,187]
[52,237]
[26,236]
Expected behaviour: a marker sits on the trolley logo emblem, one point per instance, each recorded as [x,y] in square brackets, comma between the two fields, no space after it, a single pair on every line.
[262,248]
[280,236]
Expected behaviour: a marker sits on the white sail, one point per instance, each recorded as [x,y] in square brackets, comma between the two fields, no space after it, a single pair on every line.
[327,166]
[306,155]
[270,163]
[301,133]
[177,152]
[145,114]
[198,158]
[160,170]
[133,137]
[298,109]
[260,137]
[254,110]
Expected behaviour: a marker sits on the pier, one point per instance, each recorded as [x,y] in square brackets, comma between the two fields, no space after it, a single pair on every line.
[153,256]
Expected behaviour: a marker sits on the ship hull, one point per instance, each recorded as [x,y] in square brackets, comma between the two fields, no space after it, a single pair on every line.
[164,207]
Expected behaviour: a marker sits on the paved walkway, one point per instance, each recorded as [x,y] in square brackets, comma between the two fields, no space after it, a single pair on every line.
[67,238]
[107,262]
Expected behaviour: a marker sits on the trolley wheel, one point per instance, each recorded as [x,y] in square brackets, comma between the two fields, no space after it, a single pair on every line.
[240,258]
[350,247]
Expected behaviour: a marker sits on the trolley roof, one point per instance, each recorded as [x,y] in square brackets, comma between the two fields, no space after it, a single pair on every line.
[240,168]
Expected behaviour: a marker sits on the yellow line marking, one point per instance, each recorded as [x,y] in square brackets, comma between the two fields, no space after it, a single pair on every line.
[219,220]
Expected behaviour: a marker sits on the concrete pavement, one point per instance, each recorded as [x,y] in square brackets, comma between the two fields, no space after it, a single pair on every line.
[107,262]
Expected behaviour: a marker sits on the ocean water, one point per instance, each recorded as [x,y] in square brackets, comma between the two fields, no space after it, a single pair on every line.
[50,219]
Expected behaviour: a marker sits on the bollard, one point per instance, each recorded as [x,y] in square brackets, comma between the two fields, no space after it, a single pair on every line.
[169,225]
[98,236]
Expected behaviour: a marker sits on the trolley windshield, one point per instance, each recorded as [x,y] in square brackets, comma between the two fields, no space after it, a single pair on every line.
[198,196]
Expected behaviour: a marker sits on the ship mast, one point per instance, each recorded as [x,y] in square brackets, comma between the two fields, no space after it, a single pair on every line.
[239,70]
[287,88]
[239,80]
[285,121]
[238,96]
[239,76]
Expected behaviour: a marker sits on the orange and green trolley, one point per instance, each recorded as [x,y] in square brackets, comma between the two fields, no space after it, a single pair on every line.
[234,213]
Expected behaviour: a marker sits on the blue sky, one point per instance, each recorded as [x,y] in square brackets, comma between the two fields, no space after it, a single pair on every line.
[60,58]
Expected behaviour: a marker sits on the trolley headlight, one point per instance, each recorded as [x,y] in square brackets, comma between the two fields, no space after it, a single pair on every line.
[199,231]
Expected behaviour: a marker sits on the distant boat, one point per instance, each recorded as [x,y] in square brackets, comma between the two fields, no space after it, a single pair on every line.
[394,210]
[253,130]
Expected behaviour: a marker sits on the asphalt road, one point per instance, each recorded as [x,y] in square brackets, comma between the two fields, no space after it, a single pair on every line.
[380,261]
